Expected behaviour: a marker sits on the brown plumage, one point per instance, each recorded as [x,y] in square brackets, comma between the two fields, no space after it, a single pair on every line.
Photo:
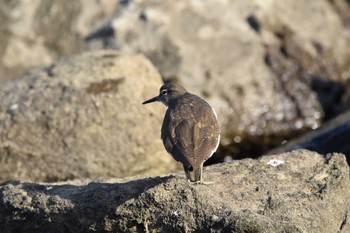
[190,130]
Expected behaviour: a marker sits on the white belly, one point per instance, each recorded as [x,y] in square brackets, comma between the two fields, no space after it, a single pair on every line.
[217,144]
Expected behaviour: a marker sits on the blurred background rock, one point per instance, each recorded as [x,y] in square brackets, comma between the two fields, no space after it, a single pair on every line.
[274,70]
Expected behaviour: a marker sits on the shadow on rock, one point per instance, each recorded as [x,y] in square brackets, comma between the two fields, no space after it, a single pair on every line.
[66,207]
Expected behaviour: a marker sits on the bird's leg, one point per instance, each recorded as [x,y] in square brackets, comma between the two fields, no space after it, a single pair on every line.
[201,181]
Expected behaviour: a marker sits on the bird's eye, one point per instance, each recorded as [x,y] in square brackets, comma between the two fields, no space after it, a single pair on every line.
[164,92]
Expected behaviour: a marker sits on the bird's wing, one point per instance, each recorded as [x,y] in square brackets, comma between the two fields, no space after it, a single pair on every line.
[170,139]
[190,139]
[205,134]
[168,132]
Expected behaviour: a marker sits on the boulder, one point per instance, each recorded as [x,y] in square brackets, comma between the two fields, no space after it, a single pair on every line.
[272,69]
[300,191]
[331,137]
[37,33]
[83,117]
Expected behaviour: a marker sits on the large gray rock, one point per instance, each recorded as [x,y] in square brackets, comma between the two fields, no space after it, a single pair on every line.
[270,68]
[83,117]
[299,191]
[36,33]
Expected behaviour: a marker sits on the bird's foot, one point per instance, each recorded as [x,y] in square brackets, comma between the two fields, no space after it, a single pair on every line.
[203,182]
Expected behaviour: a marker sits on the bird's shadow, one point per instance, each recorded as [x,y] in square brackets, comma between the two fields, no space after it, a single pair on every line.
[72,208]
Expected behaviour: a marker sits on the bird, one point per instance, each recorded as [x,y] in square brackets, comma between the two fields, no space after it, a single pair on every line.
[190,131]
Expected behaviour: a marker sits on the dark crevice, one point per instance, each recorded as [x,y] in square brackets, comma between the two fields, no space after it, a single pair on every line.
[143,16]
[103,33]
[50,70]
[268,205]
[125,2]
[284,51]
[254,23]
[344,222]
[329,94]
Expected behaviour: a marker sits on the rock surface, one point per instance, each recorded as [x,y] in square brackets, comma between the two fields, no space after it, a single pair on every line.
[270,68]
[36,33]
[83,117]
[300,191]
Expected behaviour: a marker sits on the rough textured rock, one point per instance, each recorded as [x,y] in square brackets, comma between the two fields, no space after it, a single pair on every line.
[270,68]
[256,62]
[300,191]
[343,9]
[83,117]
[331,137]
[36,33]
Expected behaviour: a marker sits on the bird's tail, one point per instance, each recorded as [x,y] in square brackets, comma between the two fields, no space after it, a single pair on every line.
[193,174]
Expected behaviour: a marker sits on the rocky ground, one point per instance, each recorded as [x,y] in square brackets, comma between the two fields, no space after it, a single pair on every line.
[300,191]
[79,152]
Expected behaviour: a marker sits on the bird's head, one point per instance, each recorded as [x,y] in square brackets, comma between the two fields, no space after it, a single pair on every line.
[168,92]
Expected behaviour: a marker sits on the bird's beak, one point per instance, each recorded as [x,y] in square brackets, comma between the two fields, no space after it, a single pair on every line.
[154,99]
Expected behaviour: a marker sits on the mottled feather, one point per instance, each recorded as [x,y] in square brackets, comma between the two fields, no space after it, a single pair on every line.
[189,134]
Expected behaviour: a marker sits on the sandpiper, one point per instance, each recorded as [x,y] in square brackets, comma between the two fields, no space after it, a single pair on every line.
[190,130]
